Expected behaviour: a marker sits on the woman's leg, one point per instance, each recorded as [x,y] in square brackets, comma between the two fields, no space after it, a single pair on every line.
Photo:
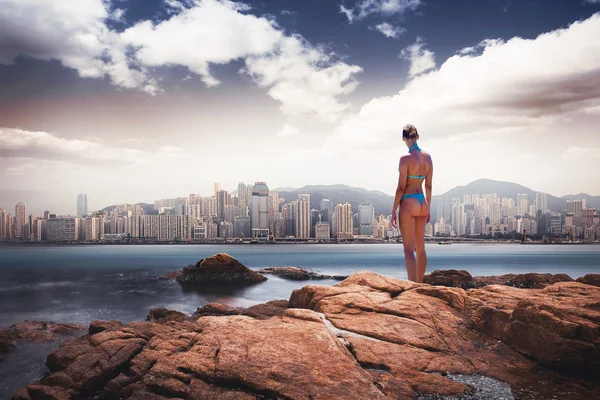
[407,229]
[421,263]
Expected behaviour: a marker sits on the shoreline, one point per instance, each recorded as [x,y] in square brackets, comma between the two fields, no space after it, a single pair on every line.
[303,242]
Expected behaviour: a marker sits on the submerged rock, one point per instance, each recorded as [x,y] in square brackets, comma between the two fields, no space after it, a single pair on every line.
[298,274]
[367,337]
[218,269]
[34,331]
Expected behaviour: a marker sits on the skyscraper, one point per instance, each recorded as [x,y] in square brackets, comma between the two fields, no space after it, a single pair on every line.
[222,200]
[541,201]
[343,218]
[303,216]
[20,220]
[82,207]
[3,225]
[260,211]
[242,195]
[366,213]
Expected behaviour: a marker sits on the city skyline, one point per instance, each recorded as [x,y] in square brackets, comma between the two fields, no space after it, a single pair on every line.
[41,206]
[132,101]
[256,213]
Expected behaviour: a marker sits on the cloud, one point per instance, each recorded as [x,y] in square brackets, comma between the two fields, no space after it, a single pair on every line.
[306,80]
[197,34]
[592,1]
[288,130]
[118,15]
[364,8]
[421,60]
[530,89]
[389,30]
[17,143]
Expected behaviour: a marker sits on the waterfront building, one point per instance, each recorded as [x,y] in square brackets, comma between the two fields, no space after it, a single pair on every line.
[242,227]
[20,220]
[366,213]
[303,217]
[322,231]
[343,221]
[62,229]
[260,211]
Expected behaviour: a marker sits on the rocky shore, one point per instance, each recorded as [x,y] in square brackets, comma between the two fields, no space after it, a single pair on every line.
[34,331]
[367,337]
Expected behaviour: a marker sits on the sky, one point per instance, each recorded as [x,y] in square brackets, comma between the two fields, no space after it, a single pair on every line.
[137,100]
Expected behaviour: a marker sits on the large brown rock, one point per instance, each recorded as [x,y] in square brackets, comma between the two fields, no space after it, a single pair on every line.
[218,269]
[590,279]
[451,278]
[368,337]
[260,311]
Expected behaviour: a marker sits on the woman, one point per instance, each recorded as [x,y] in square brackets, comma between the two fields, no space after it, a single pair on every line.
[415,167]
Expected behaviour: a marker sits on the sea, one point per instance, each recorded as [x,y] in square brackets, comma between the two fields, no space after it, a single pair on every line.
[82,283]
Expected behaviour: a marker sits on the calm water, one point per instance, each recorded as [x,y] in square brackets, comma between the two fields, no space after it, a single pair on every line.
[82,283]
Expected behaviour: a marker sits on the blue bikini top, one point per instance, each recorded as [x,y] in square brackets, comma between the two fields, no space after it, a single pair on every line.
[417,148]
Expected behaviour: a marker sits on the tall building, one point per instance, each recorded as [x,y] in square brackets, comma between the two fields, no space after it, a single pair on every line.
[20,220]
[303,217]
[575,206]
[217,188]
[289,218]
[366,213]
[242,195]
[82,207]
[62,229]
[222,201]
[343,221]
[541,202]
[260,211]
[3,225]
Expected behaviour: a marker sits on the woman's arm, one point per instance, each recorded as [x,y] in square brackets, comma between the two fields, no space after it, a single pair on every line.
[428,186]
[401,186]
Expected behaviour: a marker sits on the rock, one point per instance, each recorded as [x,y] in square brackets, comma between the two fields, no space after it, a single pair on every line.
[451,278]
[218,269]
[298,274]
[165,315]
[101,326]
[34,331]
[260,311]
[367,337]
[463,279]
[590,279]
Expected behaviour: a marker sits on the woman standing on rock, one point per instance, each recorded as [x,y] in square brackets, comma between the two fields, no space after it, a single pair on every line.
[413,205]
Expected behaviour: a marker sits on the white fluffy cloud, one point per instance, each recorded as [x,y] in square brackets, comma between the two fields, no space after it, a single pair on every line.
[499,100]
[18,143]
[304,79]
[421,59]
[386,7]
[389,30]
[288,130]
[199,34]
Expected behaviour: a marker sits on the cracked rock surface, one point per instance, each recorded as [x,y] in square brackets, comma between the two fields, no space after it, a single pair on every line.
[367,337]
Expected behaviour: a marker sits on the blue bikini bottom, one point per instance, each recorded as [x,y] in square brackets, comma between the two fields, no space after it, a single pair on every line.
[418,196]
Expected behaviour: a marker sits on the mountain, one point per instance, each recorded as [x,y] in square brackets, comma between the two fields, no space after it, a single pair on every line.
[510,190]
[340,194]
